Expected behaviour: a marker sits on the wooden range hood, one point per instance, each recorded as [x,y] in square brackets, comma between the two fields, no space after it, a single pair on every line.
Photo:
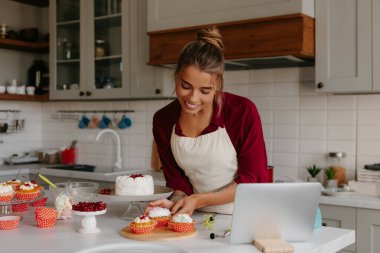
[281,41]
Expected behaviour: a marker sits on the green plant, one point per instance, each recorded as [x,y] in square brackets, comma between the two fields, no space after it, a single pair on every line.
[313,170]
[330,173]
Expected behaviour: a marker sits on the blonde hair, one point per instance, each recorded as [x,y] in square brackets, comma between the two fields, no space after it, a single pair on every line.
[206,53]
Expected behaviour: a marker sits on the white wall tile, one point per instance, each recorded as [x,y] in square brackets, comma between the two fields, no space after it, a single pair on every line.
[286,131]
[286,117]
[316,132]
[263,103]
[341,102]
[286,103]
[313,117]
[341,117]
[236,77]
[285,145]
[341,146]
[344,133]
[262,76]
[312,146]
[286,89]
[238,89]
[366,117]
[285,159]
[369,133]
[369,102]
[313,103]
[261,90]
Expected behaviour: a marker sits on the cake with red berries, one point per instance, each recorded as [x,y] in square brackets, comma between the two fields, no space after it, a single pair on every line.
[142,225]
[182,223]
[160,215]
[6,192]
[135,184]
[28,190]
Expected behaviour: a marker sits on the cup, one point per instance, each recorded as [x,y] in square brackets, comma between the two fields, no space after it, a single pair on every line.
[68,156]
[11,89]
[2,89]
[14,82]
[83,122]
[125,122]
[21,90]
[94,123]
[104,122]
[30,90]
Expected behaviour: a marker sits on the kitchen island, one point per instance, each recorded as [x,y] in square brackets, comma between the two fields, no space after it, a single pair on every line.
[65,238]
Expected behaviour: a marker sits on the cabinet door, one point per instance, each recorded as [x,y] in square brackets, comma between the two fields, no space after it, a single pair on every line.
[376,44]
[340,217]
[66,56]
[343,45]
[368,231]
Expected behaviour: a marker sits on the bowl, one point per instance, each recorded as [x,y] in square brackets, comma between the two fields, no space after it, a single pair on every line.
[78,191]
[11,89]
[2,89]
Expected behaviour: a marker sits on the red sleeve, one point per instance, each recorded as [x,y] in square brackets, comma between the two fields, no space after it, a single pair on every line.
[174,175]
[250,146]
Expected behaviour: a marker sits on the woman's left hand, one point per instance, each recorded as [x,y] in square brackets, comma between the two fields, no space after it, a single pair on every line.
[186,205]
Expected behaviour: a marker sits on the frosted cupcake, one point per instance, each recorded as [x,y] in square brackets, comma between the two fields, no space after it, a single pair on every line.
[28,190]
[142,225]
[6,192]
[160,215]
[15,183]
[182,223]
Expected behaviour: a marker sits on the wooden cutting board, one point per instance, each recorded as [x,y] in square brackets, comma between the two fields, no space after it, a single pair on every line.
[158,234]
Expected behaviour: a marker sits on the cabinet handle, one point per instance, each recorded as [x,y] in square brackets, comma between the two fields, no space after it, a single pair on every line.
[81,93]
[320,85]
[88,93]
[157,91]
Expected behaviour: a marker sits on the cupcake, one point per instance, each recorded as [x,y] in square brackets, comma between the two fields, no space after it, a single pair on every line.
[28,190]
[182,223]
[6,192]
[160,215]
[15,183]
[142,225]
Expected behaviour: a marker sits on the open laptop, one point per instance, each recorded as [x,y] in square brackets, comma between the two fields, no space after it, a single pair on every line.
[279,210]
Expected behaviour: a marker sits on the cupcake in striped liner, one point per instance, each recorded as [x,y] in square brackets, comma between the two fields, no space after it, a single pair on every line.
[28,191]
[6,192]
[15,183]
[142,225]
[160,215]
[182,223]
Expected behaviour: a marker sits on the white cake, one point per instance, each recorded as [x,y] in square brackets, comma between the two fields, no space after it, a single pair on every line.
[135,184]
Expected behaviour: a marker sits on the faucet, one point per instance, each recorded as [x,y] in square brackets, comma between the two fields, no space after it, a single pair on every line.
[118,155]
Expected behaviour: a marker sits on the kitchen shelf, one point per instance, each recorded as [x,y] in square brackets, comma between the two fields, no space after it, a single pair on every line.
[38,98]
[38,3]
[34,47]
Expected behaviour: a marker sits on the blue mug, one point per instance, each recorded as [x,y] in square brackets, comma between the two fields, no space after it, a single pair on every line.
[125,122]
[83,122]
[104,122]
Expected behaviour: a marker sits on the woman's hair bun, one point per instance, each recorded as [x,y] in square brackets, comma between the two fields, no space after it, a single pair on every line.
[211,35]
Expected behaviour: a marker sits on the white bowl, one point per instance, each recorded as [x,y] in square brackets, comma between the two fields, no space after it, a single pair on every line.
[11,89]
[2,89]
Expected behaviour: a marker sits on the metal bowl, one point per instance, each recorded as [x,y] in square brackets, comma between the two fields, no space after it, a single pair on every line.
[3,127]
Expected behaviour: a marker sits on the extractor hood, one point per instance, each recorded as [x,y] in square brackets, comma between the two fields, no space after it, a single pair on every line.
[273,42]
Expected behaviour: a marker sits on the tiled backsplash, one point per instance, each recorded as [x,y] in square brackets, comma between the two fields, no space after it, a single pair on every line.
[300,125]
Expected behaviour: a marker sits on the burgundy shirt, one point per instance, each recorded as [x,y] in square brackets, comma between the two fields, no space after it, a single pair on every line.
[241,119]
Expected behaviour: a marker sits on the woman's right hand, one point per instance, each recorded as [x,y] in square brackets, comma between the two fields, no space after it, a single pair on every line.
[165,203]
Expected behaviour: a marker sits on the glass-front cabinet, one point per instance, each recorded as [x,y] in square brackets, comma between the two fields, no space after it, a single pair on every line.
[89,49]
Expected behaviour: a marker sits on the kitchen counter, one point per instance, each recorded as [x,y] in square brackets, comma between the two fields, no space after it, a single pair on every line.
[65,238]
[355,200]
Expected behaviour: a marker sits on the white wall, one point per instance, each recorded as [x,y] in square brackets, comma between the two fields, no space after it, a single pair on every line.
[300,126]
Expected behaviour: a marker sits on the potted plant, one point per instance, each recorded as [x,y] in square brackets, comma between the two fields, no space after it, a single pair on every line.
[313,171]
[331,181]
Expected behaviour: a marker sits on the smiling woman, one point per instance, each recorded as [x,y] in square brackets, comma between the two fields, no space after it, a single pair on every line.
[208,140]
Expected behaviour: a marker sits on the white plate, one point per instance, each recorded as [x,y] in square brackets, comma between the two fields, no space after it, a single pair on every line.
[338,192]
[134,248]
[160,192]
[80,213]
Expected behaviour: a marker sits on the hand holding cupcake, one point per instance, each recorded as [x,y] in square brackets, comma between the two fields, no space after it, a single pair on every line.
[160,215]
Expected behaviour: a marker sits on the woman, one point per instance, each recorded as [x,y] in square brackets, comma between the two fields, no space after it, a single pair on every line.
[208,140]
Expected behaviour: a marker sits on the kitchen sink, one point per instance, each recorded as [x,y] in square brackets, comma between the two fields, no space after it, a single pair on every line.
[74,167]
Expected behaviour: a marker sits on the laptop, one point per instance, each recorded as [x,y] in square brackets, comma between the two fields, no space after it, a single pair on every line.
[274,210]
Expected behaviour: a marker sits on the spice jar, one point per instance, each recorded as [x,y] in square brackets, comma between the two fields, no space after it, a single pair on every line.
[101,48]
[337,160]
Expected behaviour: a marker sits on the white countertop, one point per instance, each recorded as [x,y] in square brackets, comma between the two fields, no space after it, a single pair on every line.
[65,238]
[355,200]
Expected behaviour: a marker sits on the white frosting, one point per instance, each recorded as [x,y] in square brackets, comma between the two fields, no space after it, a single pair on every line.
[184,218]
[14,181]
[127,185]
[5,189]
[159,212]
[142,219]
[28,186]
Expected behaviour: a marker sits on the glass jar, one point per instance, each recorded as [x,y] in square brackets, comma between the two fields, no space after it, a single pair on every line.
[337,160]
[101,48]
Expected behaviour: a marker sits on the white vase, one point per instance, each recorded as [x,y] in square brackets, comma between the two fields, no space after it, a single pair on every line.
[331,183]
[313,179]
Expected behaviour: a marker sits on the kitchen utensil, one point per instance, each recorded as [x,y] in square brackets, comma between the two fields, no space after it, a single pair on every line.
[47,181]
[3,127]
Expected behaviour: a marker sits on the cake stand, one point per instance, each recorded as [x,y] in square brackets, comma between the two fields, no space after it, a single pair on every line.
[89,221]
[134,201]
[6,207]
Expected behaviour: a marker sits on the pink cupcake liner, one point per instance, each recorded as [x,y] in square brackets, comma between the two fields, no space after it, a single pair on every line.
[182,227]
[20,207]
[27,196]
[45,223]
[9,222]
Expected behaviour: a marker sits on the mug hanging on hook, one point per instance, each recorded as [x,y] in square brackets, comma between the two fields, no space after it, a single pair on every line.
[124,122]
[94,123]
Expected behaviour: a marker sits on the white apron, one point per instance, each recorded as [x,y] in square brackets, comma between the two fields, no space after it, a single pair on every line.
[209,161]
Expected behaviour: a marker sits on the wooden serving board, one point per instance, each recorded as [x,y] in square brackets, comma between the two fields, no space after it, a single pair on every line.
[158,234]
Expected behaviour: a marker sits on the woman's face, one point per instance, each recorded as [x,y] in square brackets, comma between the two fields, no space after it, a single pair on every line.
[195,90]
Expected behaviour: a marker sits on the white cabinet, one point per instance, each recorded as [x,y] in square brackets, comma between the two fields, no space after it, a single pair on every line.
[368,231]
[169,14]
[347,45]
[99,50]
[340,217]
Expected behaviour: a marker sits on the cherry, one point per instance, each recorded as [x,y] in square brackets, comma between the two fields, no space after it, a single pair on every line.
[136,175]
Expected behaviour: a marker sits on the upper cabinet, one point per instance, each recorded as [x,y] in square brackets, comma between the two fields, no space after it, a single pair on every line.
[169,14]
[99,50]
[347,46]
